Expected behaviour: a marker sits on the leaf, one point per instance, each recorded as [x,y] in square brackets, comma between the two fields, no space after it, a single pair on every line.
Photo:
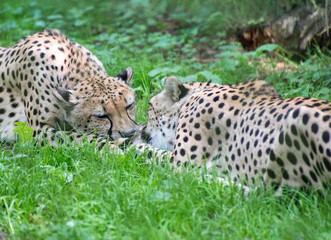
[229,47]
[169,184]
[268,48]
[254,22]
[209,76]
[229,64]
[325,91]
[310,67]
[24,131]
[17,156]
[160,196]
[55,17]
[80,22]
[157,71]
[163,71]
[139,88]
[40,24]
[215,17]
[68,177]
[229,54]
[189,78]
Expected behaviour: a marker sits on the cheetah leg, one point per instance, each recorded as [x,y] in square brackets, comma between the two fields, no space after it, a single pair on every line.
[11,111]
[159,156]
[226,182]
[153,154]
[54,137]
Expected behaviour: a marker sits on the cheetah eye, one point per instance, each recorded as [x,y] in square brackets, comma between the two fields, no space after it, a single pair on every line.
[100,116]
[129,106]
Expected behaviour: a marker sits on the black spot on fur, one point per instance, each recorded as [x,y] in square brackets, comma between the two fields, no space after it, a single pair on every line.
[326,136]
[292,158]
[271,173]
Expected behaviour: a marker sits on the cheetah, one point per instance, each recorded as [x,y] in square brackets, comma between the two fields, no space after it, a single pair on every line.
[245,131]
[59,87]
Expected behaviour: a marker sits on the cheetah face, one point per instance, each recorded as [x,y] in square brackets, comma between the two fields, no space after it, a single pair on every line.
[163,115]
[108,107]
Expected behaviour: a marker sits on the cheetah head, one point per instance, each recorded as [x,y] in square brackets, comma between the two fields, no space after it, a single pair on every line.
[105,106]
[163,114]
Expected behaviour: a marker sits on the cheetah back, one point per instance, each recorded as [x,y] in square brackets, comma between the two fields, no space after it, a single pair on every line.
[246,130]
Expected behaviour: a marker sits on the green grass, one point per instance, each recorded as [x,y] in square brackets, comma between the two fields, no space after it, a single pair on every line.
[62,193]
[66,194]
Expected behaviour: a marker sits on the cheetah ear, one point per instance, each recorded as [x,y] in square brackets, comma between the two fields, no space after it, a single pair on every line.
[125,75]
[174,88]
[65,97]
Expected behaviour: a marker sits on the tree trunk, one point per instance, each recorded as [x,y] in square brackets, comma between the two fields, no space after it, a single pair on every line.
[295,31]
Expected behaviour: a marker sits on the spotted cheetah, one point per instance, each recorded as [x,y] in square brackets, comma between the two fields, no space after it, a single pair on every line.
[58,86]
[245,130]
